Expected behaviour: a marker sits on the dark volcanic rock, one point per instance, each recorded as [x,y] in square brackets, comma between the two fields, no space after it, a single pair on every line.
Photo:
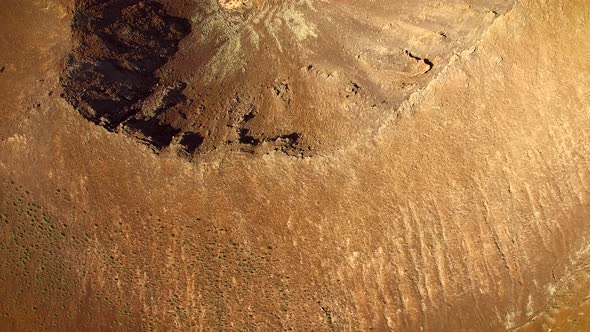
[119,46]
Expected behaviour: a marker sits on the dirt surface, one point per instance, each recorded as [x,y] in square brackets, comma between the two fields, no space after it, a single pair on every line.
[300,165]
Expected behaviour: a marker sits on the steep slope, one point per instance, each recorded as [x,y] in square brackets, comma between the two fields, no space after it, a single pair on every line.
[299,77]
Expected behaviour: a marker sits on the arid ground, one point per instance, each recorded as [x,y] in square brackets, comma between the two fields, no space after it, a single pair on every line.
[295,165]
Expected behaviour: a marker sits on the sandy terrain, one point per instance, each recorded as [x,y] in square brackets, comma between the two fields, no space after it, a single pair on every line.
[307,165]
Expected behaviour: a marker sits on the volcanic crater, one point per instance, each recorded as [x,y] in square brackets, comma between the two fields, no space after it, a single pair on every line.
[257,76]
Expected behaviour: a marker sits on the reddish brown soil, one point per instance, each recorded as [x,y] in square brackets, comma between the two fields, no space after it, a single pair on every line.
[294,165]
